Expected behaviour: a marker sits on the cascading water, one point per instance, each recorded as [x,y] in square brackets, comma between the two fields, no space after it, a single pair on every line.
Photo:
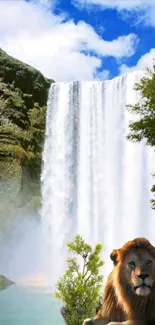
[94,182]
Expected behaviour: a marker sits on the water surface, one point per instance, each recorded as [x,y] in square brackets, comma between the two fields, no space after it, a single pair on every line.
[29,306]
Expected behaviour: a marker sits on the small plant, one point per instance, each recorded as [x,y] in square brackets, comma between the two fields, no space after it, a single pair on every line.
[79,287]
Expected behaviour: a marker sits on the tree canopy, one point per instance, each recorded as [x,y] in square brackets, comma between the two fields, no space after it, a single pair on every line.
[144,126]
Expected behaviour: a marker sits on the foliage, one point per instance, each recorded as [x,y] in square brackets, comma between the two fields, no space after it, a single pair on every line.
[22,76]
[144,126]
[23,98]
[25,145]
[79,288]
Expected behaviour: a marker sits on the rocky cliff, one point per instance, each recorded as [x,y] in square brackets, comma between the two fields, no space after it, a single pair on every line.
[23,98]
[5,283]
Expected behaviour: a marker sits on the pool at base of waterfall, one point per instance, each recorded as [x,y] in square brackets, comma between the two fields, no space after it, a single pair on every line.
[21,305]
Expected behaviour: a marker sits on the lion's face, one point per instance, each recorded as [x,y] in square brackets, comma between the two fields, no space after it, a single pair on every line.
[139,271]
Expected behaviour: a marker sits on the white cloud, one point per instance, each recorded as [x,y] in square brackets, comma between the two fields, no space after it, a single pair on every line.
[119,4]
[146,61]
[60,49]
[145,9]
[48,4]
[103,75]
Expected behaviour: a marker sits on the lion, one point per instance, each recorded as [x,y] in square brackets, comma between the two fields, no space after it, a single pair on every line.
[129,294]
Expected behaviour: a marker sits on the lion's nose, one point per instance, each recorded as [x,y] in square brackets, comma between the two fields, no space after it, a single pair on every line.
[143,276]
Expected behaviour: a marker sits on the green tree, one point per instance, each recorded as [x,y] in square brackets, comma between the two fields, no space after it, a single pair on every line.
[144,126]
[79,287]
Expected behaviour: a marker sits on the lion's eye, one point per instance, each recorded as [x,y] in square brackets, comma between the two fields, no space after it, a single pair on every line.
[149,262]
[132,264]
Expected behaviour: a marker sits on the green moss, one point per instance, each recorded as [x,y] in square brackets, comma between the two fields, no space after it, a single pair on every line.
[10,169]
[15,151]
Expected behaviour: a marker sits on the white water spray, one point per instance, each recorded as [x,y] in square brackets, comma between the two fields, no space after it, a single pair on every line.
[94,182]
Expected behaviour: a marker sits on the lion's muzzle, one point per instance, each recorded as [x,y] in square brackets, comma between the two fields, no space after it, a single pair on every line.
[142,290]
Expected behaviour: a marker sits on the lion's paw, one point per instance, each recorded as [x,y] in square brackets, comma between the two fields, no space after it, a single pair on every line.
[88,321]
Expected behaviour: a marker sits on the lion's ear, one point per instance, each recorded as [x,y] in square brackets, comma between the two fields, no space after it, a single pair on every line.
[114,256]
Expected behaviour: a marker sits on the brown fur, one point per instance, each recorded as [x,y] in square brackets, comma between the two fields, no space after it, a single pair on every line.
[125,301]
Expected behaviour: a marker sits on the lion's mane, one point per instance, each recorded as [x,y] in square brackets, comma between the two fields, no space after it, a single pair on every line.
[119,301]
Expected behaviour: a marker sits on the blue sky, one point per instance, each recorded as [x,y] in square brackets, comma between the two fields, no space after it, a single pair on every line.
[79,39]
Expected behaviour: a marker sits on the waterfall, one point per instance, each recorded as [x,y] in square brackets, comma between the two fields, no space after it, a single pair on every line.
[94,182]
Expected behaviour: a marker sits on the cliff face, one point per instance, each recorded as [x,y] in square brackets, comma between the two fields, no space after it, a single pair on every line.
[23,98]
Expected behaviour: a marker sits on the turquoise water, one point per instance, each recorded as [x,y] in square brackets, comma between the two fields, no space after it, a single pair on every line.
[29,306]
